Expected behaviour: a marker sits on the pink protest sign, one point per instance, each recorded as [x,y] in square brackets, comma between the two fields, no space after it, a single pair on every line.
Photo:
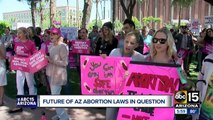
[208,48]
[30,64]
[150,79]
[103,76]
[182,53]
[146,49]
[37,61]
[18,63]
[81,46]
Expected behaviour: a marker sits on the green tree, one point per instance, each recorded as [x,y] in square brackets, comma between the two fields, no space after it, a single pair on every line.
[137,22]
[151,19]
[182,4]
[52,12]
[118,25]
[32,4]
[3,25]
[91,24]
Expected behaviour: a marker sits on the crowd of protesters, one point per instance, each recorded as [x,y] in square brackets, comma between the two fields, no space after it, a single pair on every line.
[158,46]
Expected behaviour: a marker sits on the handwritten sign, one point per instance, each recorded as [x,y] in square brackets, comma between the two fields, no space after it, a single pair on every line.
[103,76]
[208,20]
[150,79]
[81,46]
[208,48]
[30,64]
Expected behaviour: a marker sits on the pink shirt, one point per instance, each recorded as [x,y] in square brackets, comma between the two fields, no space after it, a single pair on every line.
[45,45]
[25,49]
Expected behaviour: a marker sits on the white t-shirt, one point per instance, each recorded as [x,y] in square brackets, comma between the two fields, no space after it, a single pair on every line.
[135,57]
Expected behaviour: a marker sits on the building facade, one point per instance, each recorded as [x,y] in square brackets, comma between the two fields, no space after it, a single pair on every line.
[64,14]
[166,11]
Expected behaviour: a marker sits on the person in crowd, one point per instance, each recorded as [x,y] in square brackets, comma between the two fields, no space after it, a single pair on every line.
[57,68]
[34,37]
[120,38]
[24,48]
[205,87]
[94,34]
[207,42]
[145,35]
[38,33]
[151,32]
[200,44]
[7,41]
[131,42]
[184,41]
[3,79]
[46,41]
[108,42]
[162,50]
[128,26]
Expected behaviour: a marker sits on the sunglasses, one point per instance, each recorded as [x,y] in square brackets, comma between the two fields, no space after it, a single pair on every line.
[161,40]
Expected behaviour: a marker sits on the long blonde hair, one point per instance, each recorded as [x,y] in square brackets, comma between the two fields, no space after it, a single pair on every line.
[25,31]
[171,52]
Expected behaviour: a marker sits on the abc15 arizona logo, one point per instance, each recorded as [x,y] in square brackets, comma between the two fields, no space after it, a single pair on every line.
[183,98]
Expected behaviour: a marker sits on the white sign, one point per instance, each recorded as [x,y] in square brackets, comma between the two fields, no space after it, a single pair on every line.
[70,33]
[104,101]
[208,20]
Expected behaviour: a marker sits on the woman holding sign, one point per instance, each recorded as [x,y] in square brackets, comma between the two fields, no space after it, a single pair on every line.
[131,41]
[24,48]
[57,68]
[3,80]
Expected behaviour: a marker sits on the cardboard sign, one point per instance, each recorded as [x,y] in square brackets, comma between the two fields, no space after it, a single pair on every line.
[80,46]
[30,64]
[103,76]
[150,79]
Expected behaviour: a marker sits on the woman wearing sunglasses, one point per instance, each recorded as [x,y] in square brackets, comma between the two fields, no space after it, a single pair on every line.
[162,48]
[131,41]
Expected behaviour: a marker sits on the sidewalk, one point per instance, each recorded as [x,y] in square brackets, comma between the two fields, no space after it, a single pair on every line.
[28,114]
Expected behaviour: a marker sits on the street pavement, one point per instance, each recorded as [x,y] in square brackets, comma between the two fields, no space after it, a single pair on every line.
[35,114]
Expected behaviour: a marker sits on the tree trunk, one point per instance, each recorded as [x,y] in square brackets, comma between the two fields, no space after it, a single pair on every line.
[86,13]
[33,7]
[41,14]
[179,18]
[68,13]
[129,9]
[52,12]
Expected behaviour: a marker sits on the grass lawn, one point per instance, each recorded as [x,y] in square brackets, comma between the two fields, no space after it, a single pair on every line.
[72,88]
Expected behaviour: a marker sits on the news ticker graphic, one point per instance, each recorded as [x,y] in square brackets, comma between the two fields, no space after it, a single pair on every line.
[186,102]
[190,111]
[29,101]
[95,101]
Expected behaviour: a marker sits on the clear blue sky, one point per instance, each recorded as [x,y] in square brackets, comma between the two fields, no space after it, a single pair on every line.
[14,5]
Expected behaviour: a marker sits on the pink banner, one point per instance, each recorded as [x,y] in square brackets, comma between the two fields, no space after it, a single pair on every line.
[81,46]
[18,63]
[30,64]
[208,48]
[37,61]
[150,79]
[103,76]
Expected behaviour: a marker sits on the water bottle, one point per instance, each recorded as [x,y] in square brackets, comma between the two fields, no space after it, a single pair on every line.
[43,117]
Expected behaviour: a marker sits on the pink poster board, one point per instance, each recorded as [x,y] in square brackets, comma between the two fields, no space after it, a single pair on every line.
[208,48]
[30,64]
[150,79]
[37,61]
[81,46]
[103,76]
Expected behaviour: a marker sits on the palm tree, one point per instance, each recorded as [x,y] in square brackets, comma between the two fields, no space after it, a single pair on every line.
[86,13]
[182,4]
[52,12]
[32,3]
